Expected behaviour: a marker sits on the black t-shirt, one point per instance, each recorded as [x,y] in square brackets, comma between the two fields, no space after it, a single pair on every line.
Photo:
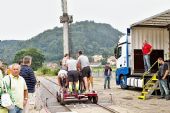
[162,70]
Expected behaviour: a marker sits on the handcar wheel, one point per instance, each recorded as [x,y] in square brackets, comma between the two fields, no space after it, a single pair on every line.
[62,102]
[90,98]
[95,99]
[58,97]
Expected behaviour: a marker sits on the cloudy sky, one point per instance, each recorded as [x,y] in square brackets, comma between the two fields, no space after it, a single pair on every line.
[23,19]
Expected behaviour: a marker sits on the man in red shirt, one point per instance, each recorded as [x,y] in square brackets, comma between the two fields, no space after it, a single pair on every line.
[146,49]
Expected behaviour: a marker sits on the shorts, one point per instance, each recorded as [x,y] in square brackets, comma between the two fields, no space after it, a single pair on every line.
[73,76]
[86,71]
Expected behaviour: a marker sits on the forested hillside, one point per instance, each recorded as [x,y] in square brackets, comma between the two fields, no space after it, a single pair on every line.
[93,38]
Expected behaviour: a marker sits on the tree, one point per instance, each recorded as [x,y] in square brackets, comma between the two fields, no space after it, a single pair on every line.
[37,57]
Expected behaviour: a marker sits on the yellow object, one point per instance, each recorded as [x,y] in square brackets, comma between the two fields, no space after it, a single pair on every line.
[3,110]
[70,87]
[77,86]
[149,87]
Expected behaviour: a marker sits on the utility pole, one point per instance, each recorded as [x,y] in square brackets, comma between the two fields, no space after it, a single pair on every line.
[65,19]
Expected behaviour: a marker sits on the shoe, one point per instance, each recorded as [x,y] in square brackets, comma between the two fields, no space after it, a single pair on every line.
[167,97]
[109,88]
[161,97]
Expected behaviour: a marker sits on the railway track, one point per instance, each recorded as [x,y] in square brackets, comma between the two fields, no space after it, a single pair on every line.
[66,109]
[99,105]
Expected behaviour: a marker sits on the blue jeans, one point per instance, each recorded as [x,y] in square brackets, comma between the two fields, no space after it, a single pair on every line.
[107,79]
[163,88]
[146,60]
[15,110]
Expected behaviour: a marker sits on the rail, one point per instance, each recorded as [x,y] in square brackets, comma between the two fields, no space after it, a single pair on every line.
[67,108]
[102,106]
[147,72]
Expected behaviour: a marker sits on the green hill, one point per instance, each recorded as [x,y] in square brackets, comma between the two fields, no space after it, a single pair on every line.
[93,38]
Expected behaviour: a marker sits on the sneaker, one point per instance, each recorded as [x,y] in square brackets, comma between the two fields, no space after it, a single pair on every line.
[167,97]
[162,97]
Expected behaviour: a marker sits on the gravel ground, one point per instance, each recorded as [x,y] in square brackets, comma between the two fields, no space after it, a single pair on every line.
[123,101]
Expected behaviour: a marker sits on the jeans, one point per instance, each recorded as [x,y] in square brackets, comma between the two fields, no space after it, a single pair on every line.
[146,60]
[163,88]
[15,110]
[107,79]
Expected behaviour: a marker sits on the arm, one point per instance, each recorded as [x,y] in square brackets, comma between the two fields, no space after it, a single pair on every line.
[58,80]
[166,74]
[150,50]
[25,97]
[32,76]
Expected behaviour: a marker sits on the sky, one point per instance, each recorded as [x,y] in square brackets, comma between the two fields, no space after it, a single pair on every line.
[24,19]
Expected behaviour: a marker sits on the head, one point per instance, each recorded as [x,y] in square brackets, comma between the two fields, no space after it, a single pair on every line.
[1,63]
[80,53]
[145,42]
[27,60]
[15,69]
[160,60]
[20,62]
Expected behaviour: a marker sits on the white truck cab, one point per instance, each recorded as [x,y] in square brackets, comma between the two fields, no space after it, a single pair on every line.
[130,68]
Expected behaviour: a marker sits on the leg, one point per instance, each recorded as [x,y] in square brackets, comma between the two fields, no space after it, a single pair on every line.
[148,62]
[108,78]
[144,61]
[12,110]
[71,86]
[161,88]
[165,87]
[85,83]
[105,81]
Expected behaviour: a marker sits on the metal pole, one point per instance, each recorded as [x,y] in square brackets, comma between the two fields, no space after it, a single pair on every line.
[65,27]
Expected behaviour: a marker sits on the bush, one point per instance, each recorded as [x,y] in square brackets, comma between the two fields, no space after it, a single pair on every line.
[48,71]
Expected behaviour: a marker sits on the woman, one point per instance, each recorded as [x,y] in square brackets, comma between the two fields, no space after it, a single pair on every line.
[2,109]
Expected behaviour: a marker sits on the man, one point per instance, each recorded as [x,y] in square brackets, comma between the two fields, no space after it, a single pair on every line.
[162,76]
[107,75]
[28,74]
[62,79]
[84,65]
[18,89]
[64,61]
[146,49]
[73,74]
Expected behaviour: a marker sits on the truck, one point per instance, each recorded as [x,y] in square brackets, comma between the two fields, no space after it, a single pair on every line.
[128,52]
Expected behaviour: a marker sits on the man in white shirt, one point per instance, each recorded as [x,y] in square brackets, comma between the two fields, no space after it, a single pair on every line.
[18,89]
[73,74]
[84,65]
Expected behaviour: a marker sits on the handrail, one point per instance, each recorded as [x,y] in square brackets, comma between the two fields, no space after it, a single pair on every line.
[147,72]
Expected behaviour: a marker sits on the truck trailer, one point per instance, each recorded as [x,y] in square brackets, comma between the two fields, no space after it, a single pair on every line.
[128,53]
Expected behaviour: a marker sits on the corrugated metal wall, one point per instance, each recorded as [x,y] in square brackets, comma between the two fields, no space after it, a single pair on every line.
[157,37]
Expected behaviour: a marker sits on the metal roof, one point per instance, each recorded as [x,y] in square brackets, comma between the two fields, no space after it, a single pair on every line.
[159,20]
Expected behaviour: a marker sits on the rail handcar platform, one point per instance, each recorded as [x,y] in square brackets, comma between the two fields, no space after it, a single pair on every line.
[65,97]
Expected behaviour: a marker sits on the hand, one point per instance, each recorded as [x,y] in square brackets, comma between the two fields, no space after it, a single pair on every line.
[163,78]
[25,102]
